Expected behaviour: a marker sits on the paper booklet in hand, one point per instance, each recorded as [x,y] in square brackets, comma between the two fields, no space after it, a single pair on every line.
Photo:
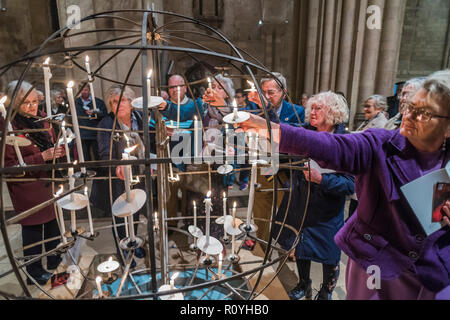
[427,195]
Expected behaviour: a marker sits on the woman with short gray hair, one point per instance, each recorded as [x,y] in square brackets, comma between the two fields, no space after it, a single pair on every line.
[374,111]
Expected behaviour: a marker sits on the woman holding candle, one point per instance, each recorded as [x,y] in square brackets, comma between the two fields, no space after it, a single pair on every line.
[26,195]
[384,231]
[127,119]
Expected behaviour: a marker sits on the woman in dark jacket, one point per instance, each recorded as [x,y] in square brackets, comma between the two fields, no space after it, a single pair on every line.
[127,119]
[325,214]
[26,195]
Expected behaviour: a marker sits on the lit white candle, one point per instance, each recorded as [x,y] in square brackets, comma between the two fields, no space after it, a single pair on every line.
[66,145]
[76,128]
[91,83]
[60,215]
[109,273]
[73,219]
[98,281]
[126,173]
[196,142]
[195,214]
[219,271]
[208,205]
[47,77]
[251,196]
[178,107]
[91,225]
[149,88]
[235,109]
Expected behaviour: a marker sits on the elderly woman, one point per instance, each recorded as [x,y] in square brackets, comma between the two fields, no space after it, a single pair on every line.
[374,111]
[410,88]
[385,232]
[127,119]
[325,214]
[26,195]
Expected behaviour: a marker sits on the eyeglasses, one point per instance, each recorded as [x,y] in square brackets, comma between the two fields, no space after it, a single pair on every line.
[29,104]
[420,114]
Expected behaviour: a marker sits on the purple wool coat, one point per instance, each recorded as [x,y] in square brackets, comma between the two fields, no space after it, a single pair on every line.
[384,231]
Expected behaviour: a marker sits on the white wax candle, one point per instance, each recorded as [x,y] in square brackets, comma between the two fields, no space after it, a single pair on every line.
[233,215]
[71,182]
[61,216]
[172,280]
[233,240]
[125,223]
[224,215]
[2,106]
[149,88]
[209,83]
[178,107]
[126,156]
[98,281]
[73,221]
[208,204]
[76,128]
[47,77]
[91,225]
[219,271]
[195,214]
[131,226]
[196,142]
[18,153]
[170,163]
[235,109]
[66,145]
[91,83]
[251,196]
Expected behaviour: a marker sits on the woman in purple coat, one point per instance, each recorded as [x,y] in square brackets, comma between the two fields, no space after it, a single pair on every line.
[26,195]
[384,234]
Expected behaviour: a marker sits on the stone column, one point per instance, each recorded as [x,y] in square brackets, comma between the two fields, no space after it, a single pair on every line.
[327,46]
[370,59]
[349,23]
[311,45]
[390,46]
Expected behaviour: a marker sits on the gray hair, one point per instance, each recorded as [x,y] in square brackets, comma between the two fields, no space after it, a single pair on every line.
[228,85]
[115,90]
[279,76]
[379,100]
[23,89]
[415,82]
[438,87]
[337,106]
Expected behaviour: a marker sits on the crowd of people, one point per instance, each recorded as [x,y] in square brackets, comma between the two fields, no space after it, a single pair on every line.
[401,139]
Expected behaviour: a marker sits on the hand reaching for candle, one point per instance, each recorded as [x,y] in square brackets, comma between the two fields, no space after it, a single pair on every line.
[314,177]
[120,173]
[213,98]
[259,125]
[59,152]
[162,106]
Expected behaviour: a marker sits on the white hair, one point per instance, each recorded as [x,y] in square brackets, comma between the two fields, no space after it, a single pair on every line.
[438,87]
[228,85]
[280,78]
[23,89]
[115,90]
[379,100]
[336,104]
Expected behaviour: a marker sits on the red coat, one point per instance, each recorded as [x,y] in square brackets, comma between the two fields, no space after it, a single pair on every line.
[26,195]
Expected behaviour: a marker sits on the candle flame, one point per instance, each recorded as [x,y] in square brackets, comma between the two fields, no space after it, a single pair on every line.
[209,79]
[60,190]
[195,118]
[85,190]
[63,124]
[234,103]
[75,162]
[220,256]
[126,138]
[98,279]
[195,204]
[46,62]
[208,195]
[149,74]
[174,276]
[70,84]
[234,205]
[251,84]
[110,259]
[224,195]
[131,149]
[87,58]
[3,100]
